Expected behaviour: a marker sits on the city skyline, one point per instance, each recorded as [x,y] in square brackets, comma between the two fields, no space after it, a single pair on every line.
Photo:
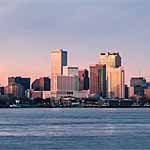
[4,81]
[26,38]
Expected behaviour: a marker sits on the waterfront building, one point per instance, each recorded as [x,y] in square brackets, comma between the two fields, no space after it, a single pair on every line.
[81,94]
[115,82]
[83,79]
[148,85]
[115,74]
[72,72]
[16,90]
[38,94]
[131,92]
[98,79]
[147,93]
[25,82]
[58,61]
[67,86]
[139,84]
[63,85]
[41,84]
[1,90]
[138,81]
[126,92]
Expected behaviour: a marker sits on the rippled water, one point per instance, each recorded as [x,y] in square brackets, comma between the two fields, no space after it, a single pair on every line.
[74,129]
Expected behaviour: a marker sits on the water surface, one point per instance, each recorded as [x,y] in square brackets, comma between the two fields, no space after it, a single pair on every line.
[75,129]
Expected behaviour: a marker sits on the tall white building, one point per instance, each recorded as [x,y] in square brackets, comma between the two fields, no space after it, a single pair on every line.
[115,74]
[58,61]
[116,82]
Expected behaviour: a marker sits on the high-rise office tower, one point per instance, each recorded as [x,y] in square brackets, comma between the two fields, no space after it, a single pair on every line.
[116,82]
[110,59]
[86,80]
[25,82]
[114,74]
[64,79]
[41,84]
[98,79]
[58,61]
[83,79]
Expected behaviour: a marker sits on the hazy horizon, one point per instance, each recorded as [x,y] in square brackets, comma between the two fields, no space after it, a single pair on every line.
[30,29]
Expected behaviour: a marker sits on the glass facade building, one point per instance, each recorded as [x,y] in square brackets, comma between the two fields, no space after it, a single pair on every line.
[98,79]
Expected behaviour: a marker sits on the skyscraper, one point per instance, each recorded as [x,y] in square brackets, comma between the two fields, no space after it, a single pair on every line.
[64,79]
[98,79]
[58,61]
[115,74]
[83,79]
[86,80]
[110,59]
[41,84]
[25,82]
[116,82]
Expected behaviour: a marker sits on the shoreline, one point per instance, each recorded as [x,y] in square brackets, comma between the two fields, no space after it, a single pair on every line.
[75,107]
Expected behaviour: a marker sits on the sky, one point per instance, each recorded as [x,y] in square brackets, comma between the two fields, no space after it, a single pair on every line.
[30,29]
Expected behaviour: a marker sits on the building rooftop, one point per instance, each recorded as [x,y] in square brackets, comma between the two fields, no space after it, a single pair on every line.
[110,53]
[59,50]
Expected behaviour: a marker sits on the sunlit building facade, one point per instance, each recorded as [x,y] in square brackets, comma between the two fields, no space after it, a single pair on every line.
[62,86]
[58,61]
[70,71]
[147,93]
[115,82]
[110,59]
[73,72]
[16,90]
[98,79]
[115,74]
[41,84]
[38,94]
